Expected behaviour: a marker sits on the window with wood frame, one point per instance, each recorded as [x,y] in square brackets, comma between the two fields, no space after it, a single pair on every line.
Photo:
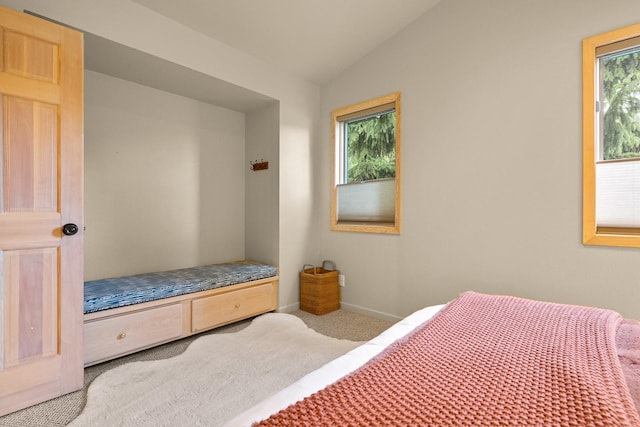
[611,138]
[365,184]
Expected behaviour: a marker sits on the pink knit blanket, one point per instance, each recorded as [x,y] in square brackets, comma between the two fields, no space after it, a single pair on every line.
[490,361]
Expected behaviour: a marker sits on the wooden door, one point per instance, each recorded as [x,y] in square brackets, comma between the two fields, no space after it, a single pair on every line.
[41,171]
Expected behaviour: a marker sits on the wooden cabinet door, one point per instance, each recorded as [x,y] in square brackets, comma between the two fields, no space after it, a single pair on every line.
[41,172]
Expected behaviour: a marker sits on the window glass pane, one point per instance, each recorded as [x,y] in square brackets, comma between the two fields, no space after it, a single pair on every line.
[620,105]
[371,147]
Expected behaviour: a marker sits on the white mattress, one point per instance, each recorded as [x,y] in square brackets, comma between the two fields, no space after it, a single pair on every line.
[334,370]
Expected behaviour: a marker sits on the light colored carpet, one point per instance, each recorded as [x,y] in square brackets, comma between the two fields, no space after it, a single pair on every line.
[60,411]
[253,363]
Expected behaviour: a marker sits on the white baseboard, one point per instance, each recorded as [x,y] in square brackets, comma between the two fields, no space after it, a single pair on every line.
[289,308]
[348,307]
[369,312]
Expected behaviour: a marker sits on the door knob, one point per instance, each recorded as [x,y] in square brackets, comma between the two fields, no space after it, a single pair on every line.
[69,229]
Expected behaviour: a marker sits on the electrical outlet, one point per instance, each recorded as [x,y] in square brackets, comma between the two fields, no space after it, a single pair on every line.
[341,280]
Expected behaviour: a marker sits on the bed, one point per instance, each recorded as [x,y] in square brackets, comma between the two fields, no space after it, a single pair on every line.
[479,360]
[131,313]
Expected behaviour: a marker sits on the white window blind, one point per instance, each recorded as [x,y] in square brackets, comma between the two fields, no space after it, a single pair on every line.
[618,194]
[372,201]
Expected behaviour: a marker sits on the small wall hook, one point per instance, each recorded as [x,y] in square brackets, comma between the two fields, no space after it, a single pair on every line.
[259,165]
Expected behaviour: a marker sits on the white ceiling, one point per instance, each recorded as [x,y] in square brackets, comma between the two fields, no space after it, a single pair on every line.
[314,39]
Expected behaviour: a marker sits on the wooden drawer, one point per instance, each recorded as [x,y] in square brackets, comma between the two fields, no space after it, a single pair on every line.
[118,335]
[224,308]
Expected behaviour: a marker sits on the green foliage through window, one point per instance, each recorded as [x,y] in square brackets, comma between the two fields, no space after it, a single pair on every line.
[621,105]
[371,147]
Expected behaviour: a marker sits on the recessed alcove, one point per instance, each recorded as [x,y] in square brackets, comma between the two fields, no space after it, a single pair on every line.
[167,165]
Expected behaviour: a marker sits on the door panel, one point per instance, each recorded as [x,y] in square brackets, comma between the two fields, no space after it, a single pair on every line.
[30,155]
[31,309]
[41,155]
[30,57]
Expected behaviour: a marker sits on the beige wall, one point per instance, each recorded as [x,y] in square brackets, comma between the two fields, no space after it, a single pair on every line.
[164,180]
[261,214]
[491,160]
[134,26]
[491,151]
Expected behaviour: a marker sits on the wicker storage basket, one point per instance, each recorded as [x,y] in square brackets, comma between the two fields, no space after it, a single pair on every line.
[319,290]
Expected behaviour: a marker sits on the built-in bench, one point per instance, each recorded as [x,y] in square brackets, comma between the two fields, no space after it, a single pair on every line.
[127,314]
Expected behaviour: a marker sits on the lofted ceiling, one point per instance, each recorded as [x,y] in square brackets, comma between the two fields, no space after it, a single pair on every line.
[313,39]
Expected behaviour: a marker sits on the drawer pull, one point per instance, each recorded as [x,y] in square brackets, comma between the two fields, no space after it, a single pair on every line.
[237,305]
[121,336]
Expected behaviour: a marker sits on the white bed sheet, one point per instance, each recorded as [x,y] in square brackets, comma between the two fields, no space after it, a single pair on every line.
[334,370]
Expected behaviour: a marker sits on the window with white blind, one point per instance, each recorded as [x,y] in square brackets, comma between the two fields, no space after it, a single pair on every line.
[365,185]
[611,138]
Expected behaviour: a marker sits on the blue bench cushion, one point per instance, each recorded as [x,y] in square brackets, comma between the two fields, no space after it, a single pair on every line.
[104,294]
